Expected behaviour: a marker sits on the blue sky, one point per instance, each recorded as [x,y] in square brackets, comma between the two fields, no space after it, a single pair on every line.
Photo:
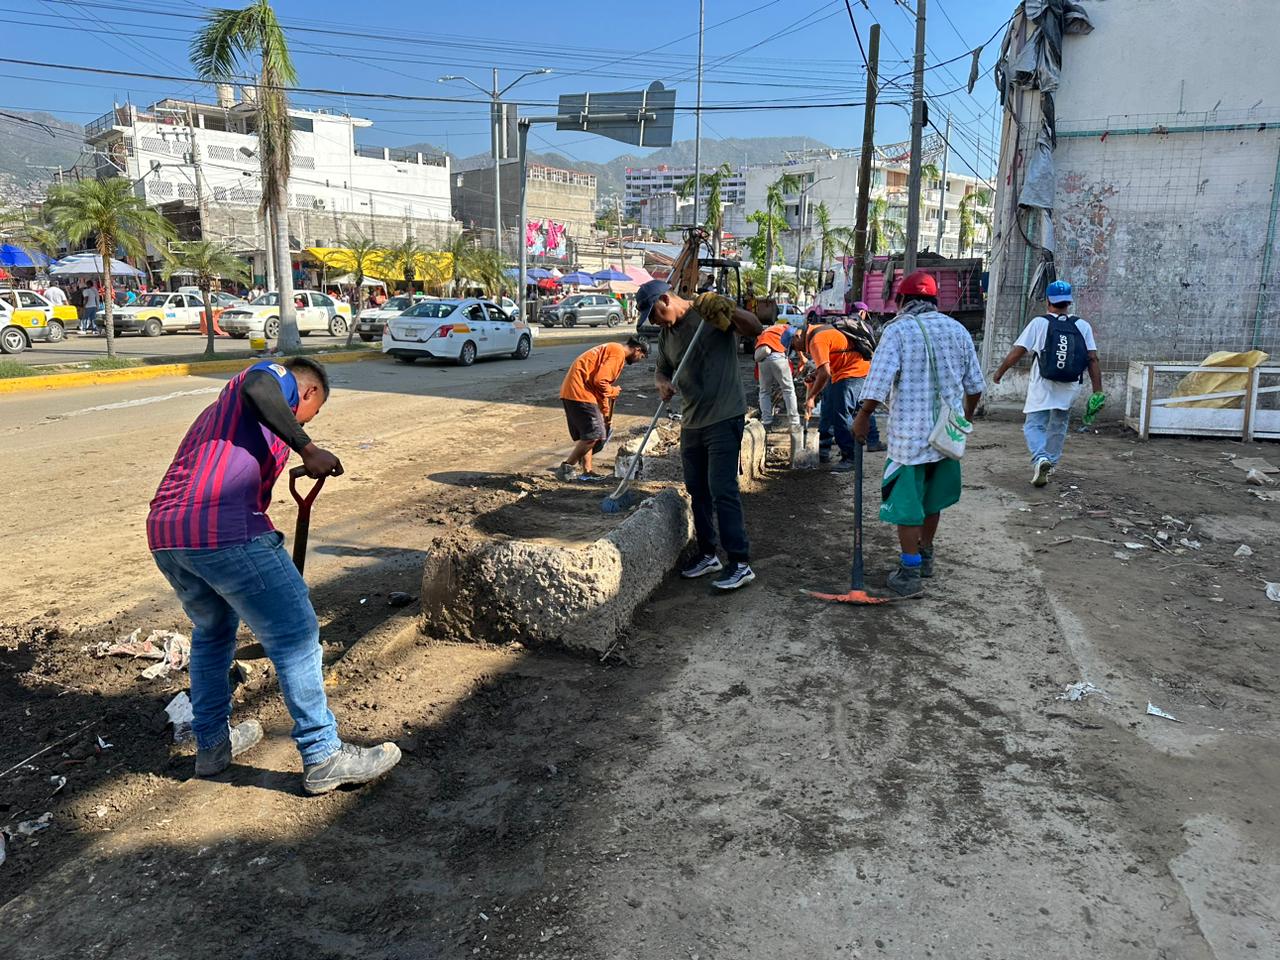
[758,52]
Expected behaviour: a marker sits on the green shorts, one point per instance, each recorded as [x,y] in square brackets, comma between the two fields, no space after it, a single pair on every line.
[911,493]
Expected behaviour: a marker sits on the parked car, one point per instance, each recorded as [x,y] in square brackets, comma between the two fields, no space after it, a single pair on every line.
[30,306]
[789,313]
[157,313]
[369,324]
[586,309]
[457,330]
[316,313]
[510,308]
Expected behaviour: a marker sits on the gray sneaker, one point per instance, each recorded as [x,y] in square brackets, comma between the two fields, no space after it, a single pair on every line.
[351,764]
[1040,472]
[905,581]
[243,736]
[567,472]
[926,562]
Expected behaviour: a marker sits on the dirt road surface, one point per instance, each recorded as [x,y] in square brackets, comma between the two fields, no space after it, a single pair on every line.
[762,776]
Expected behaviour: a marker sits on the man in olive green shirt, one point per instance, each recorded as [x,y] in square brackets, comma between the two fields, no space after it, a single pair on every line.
[714,415]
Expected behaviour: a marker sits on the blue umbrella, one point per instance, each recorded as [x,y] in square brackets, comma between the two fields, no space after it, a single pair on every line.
[537,273]
[610,274]
[11,256]
[578,278]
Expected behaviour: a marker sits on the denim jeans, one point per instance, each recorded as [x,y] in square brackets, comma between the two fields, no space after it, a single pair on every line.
[89,320]
[255,582]
[1046,432]
[835,423]
[710,457]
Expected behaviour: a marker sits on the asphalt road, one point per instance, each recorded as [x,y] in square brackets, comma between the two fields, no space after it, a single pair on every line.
[78,349]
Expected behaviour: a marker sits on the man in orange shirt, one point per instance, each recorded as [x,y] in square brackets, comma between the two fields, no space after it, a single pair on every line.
[588,393]
[841,368]
[774,369]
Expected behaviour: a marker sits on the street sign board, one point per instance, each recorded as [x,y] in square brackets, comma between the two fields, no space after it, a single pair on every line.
[641,117]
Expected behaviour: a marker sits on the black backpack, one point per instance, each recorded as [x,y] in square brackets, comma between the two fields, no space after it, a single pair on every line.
[1065,357]
[858,336]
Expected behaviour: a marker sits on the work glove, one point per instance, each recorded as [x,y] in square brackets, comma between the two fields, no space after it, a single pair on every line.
[715,309]
[1096,402]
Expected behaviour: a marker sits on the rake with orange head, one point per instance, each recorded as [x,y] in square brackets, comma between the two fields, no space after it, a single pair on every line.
[857,593]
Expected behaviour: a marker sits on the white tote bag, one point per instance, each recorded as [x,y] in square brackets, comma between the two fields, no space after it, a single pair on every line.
[950,427]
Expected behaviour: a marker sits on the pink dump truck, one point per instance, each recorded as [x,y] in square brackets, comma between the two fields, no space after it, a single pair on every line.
[960,284]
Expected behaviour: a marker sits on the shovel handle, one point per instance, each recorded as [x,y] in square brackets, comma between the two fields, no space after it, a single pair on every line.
[294,475]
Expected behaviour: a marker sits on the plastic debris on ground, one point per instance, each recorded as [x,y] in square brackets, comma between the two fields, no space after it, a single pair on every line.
[103,745]
[3,854]
[1249,464]
[1136,546]
[1190,544]
[58,783]
[1257,478]
[28,827]
[1154,711]
[1273,591]
[1244,550]
[171,649]
[181,716]
[1078,691]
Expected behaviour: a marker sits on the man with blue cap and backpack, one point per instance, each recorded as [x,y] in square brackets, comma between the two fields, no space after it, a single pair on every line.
[1062,349]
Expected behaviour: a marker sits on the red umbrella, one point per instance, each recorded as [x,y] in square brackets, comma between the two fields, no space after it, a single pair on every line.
[548,284]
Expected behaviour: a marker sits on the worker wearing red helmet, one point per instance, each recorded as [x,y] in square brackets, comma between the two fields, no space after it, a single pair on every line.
[925,363]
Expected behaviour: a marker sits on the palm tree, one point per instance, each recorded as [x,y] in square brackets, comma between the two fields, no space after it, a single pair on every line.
[366,255]
[206,260]
[883,229]
[247,39]
[116,218]
[408,255]
[775,203]
[971,218]
[822,220]
[711,184]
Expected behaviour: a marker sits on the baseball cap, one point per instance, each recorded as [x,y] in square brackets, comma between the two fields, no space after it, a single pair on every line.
[1058,292]
[648,295]
[861,306]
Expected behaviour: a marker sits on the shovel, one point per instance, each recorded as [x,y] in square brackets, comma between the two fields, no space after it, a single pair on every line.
[857,593]
[254,651]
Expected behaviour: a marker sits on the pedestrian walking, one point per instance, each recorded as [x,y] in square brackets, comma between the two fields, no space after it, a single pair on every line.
[89,318]
[924,365]
[842,358]
[588,393]
[774,370]
[210,536]
[713,417]
[1062,348]
[55,295]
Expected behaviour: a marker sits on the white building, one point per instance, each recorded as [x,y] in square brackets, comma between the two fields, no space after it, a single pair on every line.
[336,188]
[1164,186]
[832,177]
[643,184]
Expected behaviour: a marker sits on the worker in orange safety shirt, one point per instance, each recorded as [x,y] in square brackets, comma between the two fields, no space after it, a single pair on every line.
[588,393]
[840,370]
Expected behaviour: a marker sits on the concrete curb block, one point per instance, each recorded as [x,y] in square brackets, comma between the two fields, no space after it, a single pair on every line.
[581,598]
[755,446]
[93,378]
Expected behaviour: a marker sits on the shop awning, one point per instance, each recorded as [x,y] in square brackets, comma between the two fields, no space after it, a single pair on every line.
[428,267]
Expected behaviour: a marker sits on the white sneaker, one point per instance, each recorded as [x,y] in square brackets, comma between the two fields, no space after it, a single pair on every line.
[702,566]
[1040,471]
[739,576]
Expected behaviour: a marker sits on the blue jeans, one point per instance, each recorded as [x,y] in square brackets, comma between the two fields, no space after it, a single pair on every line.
[1046,432]
[710,457]
[90,320]
[835,422]
[255,582]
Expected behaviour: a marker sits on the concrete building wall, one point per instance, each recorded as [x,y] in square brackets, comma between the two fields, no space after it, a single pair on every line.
[1167,168]
[641,183]
[565,196]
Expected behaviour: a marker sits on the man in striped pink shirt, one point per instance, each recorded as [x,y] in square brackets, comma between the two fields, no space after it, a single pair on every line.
[210,535]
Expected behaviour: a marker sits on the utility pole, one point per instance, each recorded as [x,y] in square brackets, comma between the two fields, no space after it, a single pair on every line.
[196,163]
[864,164]
[697,120]
[497,165]
[917,133]
[942,193]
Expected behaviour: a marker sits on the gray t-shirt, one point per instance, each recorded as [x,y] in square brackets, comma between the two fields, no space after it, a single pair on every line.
[710,385]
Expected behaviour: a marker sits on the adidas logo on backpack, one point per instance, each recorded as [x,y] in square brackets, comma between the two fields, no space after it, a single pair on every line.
[1064,358]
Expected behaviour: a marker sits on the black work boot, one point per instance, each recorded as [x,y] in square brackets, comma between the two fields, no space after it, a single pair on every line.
[351,764]
[210,763]
[905,581]
[926,562]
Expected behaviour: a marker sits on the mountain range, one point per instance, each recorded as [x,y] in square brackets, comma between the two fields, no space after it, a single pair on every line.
[28,151]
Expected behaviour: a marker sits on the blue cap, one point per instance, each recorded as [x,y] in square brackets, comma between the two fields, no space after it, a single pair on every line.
[1058,292]
[648,295]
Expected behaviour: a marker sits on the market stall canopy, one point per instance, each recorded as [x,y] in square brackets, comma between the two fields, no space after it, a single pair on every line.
[550,283]
[90,265]
[622,286]
[15,256]
[638,274]
[349,278]
[538,273]
[612,273]
[580,279]
[428,267]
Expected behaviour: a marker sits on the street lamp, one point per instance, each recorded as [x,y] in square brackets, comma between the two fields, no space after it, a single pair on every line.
[496,116]
[800,239]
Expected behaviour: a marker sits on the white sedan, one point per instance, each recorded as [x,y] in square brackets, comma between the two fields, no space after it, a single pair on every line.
[457,330]
[316,313]
[371,320]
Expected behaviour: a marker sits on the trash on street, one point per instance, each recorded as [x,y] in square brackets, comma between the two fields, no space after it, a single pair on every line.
[1154,711]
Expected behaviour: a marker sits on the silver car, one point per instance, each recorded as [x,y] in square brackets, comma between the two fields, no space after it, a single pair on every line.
[582,309]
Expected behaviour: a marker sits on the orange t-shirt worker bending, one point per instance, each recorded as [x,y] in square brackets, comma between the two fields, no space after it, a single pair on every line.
[587,393]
